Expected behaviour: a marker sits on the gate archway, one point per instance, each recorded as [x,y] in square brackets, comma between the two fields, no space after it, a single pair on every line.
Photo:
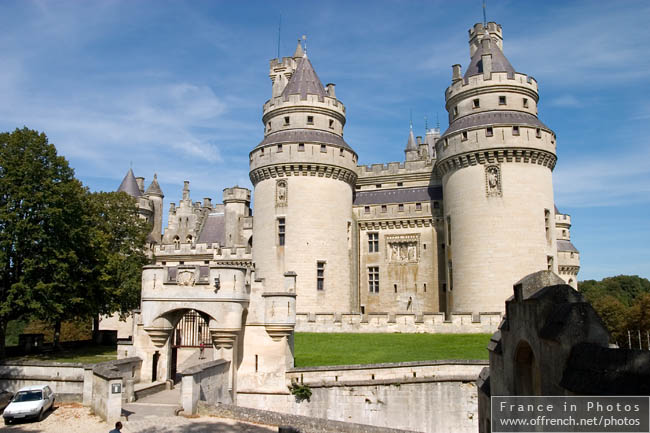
[191,332]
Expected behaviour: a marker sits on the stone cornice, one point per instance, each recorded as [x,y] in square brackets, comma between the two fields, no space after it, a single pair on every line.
[569,269]
[303,169]
[500,155]
[396,223]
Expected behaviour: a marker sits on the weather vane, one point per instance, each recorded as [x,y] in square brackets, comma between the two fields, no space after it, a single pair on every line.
[304,38]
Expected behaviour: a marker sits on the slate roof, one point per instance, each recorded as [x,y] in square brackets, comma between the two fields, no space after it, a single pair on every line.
[402,195]
[304,81]
[304,136]
[129,185]
[566,246]
[489,118]
[154,187]
[499,62]
[214,229]
[411,143]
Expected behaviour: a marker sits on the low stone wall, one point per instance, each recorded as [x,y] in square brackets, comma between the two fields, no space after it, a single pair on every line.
[385,373]
[107,384]
[433,323]
[432,396]
[206,382]
[65,379]
[303,424]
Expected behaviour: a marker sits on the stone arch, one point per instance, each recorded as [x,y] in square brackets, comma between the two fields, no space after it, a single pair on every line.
[526,370]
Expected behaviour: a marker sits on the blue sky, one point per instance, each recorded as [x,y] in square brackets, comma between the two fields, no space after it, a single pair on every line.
[176,87]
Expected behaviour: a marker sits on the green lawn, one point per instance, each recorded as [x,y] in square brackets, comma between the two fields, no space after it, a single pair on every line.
[85,355]
[344,349]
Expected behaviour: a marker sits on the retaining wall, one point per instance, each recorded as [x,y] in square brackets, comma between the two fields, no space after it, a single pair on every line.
[432,396]
[206,382]
[65,379]
[433,323]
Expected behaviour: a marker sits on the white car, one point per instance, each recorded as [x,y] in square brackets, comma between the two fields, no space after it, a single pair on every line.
[29,402]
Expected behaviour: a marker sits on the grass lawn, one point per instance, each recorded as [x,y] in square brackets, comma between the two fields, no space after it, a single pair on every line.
[85,355]
[313,349]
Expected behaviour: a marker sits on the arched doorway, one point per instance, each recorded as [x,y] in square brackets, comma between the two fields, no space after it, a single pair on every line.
[526,378]
[190,334]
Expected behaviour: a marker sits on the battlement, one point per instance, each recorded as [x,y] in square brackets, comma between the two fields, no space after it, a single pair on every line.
[478,32]
[313,102]
[519,83]
[393,168]
[215,250]
[284,62]
[408,323]
[236,194]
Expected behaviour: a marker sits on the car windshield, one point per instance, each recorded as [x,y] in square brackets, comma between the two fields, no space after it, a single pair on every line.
[28,396]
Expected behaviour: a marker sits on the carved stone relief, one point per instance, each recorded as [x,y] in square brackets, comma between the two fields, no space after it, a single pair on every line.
[403,248]
[281,190]
[186,277]
[493,180]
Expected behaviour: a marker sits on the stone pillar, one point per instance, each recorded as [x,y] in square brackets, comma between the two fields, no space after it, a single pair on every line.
[114,401]
[88,385]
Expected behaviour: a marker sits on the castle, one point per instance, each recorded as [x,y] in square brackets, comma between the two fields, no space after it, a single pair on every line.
[450,229]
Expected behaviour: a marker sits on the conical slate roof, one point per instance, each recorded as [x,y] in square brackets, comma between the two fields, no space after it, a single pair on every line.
[499,61]
[129,185]
[299,53]
[304,81]
[411,144]
[154,187]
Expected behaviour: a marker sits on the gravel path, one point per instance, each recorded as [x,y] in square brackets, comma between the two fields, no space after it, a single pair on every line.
[74,418]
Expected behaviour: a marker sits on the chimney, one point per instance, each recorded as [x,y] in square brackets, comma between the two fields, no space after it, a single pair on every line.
[455,73]
[330,90]
[140,182]
[186,190]
[207,202]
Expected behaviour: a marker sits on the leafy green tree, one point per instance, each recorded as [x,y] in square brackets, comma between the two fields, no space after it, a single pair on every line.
[43,222]
[118,238]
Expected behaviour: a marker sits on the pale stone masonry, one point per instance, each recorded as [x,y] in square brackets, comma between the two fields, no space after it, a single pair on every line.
[432,243]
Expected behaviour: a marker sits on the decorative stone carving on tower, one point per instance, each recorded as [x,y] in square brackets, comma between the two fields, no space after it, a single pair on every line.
[282,191]
[493,180]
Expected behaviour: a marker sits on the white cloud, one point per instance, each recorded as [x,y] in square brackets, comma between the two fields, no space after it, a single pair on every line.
[565,101]
[605,180]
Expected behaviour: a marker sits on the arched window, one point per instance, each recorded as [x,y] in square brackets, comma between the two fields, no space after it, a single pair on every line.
[177,242]
[188,239]
[527,378]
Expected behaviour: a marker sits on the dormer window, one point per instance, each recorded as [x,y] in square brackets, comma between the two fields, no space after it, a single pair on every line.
[286,120]
[476,103]
[310,120]
[502,100]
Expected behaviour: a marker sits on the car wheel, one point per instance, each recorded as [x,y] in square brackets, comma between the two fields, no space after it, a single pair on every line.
[7,421]
[52,405]
[41,414]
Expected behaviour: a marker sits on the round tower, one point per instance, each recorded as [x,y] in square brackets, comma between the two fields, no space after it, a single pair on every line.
[495,160]
[303,174]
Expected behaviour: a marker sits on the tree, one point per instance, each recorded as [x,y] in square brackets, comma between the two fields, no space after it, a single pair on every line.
[118,238]
[43,221]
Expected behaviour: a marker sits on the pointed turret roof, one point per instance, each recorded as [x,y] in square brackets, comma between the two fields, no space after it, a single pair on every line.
[129,185]
[154,187]
[304,81]
[299,51]
[411,143]
[499,61]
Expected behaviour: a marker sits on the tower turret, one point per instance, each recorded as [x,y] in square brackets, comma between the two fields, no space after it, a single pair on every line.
[303,173]
[155,195]
[495,160]
[411,150]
